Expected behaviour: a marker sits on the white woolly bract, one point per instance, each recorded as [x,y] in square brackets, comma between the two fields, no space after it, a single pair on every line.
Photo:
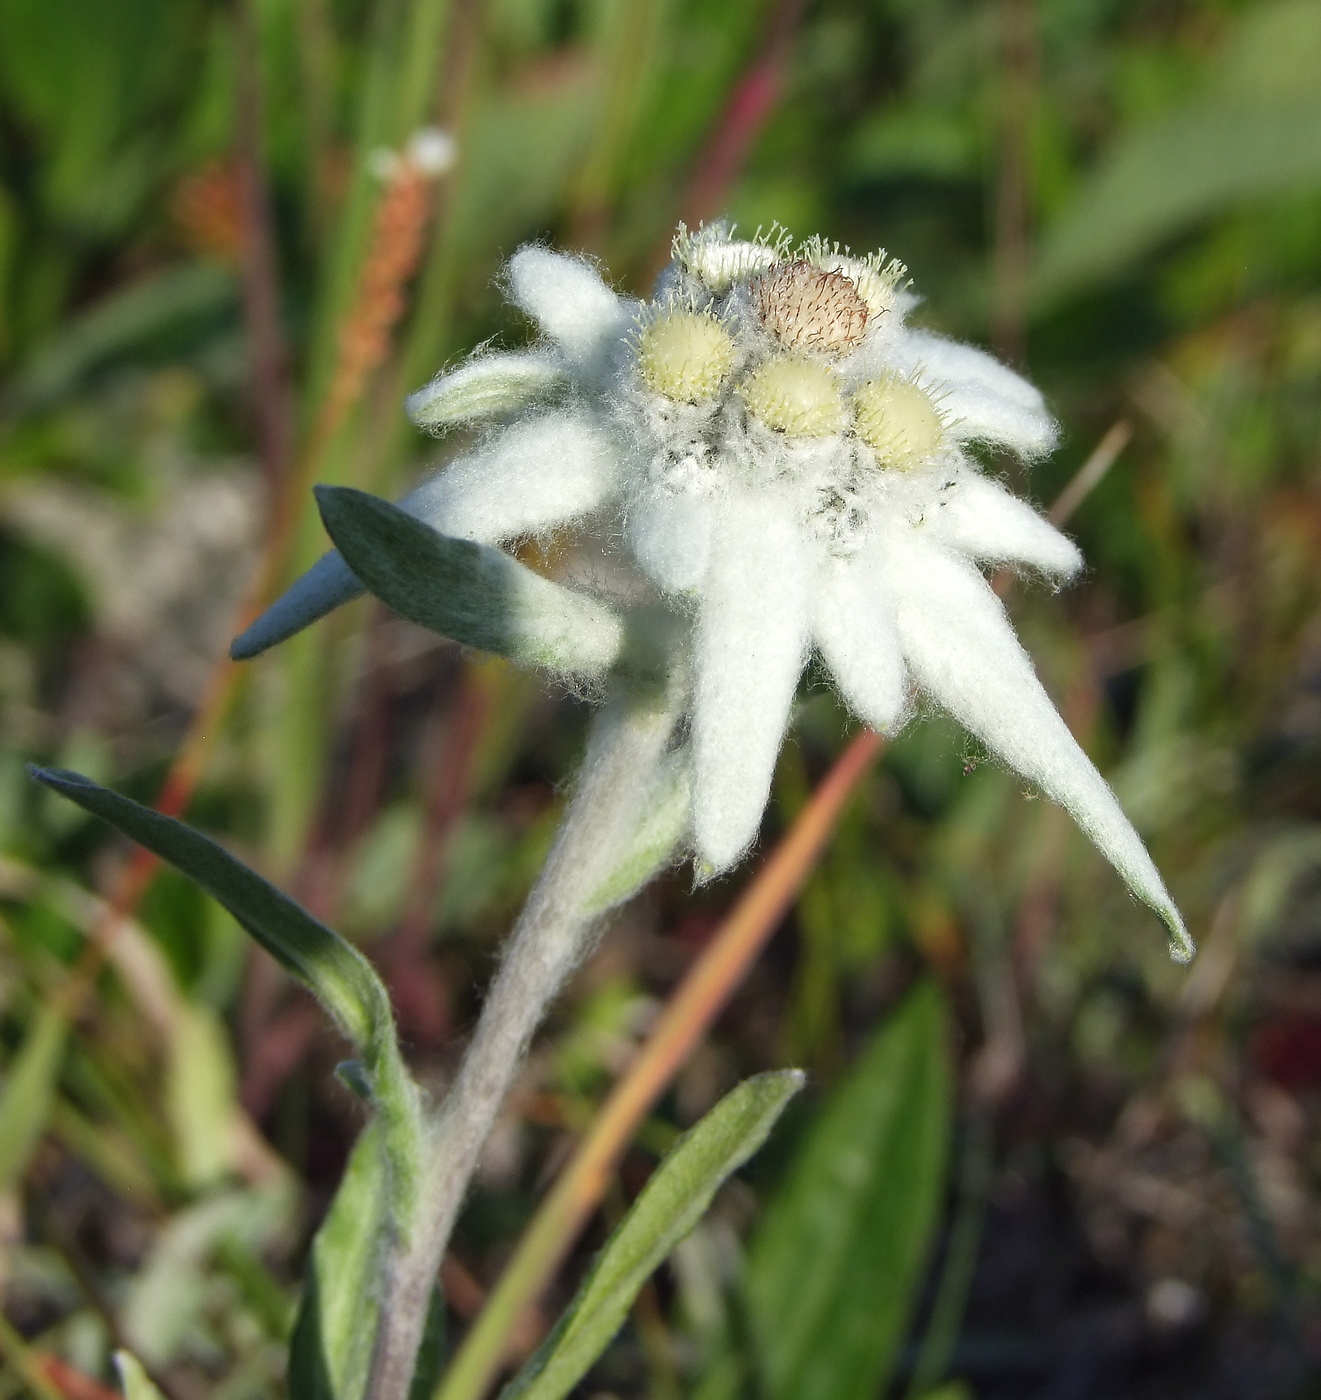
[483,388]
[751,643]
[955,362]
[546,470]
[979,518]
[569,301]
[853,627]
[978,414]
[981,399]
[962,651]
[669,534]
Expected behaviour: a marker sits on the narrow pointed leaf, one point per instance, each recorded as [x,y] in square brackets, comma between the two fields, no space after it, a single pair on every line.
[672,1202]
[327,585]
[338,975]
[834,1269]
[332,970]
[482,389]
[471,592]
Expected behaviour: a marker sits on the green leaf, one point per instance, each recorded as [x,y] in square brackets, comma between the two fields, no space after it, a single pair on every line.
[835,1265]
[133,1379]
[1161,179]
[483,388]
[475,594]
[332,970]
[672,1202]
[29,1092]
[331,1349]
[330,1352]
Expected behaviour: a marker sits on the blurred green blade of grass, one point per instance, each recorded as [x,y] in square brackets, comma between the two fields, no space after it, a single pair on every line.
[29,1091]
[133,1378]
[161,307]
[1161,180]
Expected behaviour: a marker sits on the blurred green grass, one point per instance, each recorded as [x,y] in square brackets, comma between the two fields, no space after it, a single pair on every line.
[1124,197]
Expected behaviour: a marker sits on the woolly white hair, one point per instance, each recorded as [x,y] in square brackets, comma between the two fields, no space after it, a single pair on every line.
[775,545]
[546,470]
[569,301]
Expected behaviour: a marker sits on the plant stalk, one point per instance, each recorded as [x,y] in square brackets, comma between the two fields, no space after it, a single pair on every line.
[552,935]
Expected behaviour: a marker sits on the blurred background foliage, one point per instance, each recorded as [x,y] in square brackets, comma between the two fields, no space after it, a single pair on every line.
[1035,1158]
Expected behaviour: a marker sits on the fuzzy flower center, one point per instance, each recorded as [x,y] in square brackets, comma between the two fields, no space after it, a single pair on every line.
[685,355]
[898,420]
[795,396]
[809,308]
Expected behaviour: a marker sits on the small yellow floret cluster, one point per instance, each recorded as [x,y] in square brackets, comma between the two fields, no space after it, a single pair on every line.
[898,421]
[685,355]
[797,397]
[814,309]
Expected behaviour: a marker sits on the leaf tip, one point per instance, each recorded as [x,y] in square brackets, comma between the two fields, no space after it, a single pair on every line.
[58,779]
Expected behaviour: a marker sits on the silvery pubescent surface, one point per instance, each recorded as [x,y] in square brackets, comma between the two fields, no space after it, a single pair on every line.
[786,462]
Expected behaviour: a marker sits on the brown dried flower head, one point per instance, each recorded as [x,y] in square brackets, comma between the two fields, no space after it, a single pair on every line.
[807,308]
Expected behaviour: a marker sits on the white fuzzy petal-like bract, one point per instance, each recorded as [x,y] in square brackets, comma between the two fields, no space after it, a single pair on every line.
[546,470]
[566,297]
[953,361]
[484,388]
[977,516]
[853,626]
[752,635]
[962,651]
[977,413]
[669,534]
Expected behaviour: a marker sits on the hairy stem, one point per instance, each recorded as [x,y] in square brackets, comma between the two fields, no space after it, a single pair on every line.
[629,738]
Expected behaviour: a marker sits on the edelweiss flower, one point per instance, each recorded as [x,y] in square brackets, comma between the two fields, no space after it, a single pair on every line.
[788,461]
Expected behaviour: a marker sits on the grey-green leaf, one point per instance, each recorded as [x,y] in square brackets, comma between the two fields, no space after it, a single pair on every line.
[29,1092]
[334,971]
[672,1202]
[484,388]
[471,592]
[834,1268]
[327,585]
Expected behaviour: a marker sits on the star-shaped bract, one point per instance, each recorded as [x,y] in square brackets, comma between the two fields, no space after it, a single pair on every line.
[787,459]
